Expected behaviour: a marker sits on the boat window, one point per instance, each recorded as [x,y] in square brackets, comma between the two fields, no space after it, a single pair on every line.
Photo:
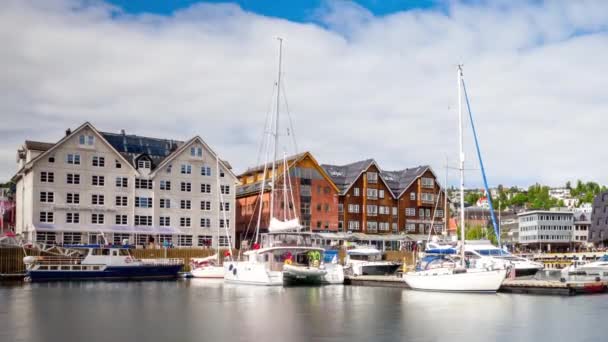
[65,268]
[76,268]
[471,255]
[43,268]
[95,268]
[96,252]
[491,252]
[114,252]
[604,258]
[53,267]
[124,252]
[105,252]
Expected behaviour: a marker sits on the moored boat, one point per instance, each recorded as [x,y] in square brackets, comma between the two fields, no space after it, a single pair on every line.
[100,262]
[368,261]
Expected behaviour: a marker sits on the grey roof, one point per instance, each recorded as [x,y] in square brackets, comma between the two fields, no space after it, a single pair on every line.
[344,175]
[132,146]
[38,145]
[400,180]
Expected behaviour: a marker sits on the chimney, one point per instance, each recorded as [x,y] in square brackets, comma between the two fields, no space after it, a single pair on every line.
[68,132]
[122,131]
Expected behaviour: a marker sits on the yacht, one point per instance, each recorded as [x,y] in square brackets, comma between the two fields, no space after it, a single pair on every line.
[597,268]
[207,267]
[442,272]
[484,252]
[368,261]
[99,262]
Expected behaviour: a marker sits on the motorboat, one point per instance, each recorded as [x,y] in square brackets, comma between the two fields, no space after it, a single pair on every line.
[581,267]
[207,267]
[483,252]
[368,261]
[334,271]
[111,262]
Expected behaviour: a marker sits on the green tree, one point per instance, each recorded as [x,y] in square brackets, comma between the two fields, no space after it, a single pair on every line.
[472,197]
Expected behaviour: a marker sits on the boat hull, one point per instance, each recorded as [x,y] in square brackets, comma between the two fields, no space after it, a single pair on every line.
[449,281]
[208,272]
[148,272]
[526,272]
[251,273]
[302,275]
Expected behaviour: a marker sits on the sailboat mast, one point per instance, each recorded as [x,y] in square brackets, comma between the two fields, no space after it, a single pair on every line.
[461,166]
[285,202]
[445,200]
[276,129]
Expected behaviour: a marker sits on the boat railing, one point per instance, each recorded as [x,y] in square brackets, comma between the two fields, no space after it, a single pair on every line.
[166,261]
[58,260]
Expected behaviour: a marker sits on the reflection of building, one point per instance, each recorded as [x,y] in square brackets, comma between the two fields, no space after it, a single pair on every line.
[314,194]
[546,230]
[124,186]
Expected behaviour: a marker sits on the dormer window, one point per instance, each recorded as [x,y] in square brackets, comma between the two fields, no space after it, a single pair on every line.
[143,164]
[196,151]
[86,140]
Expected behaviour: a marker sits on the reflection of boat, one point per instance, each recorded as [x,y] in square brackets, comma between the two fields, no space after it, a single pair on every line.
[597,268]
[100,262]
[206,267]
[444,273]
[368,261]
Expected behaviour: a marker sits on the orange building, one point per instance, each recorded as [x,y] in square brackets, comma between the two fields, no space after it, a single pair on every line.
[313,193]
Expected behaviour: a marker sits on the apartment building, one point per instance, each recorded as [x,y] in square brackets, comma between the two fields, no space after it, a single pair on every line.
[124,187]
[375,201]
[546,230]
[311,194]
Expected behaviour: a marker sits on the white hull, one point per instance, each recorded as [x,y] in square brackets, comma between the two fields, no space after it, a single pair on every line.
[445,280]
[251,273]
[209,272]
[334,275]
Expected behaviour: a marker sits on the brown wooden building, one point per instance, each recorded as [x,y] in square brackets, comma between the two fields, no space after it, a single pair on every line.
[314,194]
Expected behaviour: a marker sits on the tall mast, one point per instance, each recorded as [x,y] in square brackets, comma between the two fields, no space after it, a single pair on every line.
[461,166]
[276,129]
[445,200]
[285,201]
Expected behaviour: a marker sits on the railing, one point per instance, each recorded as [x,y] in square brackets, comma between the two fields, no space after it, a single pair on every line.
[167,261]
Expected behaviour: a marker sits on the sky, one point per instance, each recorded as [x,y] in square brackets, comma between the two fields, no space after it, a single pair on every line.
[367,79]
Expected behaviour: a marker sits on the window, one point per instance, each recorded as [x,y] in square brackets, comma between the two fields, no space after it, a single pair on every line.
[372,226]
[395,229]
[382,210]
[72,218]
[121,220]
[206,205]
[82,139]
[427,197]
[99,161]
[428,183]
[119,239]
[47,197]
[326,207]
[97,199]
[412,196]
[381,193]
[319,207]
[372,193]
[340,208]
[185,204]
[383,226]
[121,201]
[205,222]
[72,198]
[165,203]
[143,202]
[394,211]
[184,222]
[225,189]
[117,164]
[47,177]
[372,210]
[97,218]
[204,241]
[122,182]
[205,171]
[410,211]
[143,220]
[143,183]
[353,225]
[72,238]
[410,227]
[168,169]
[86,139]
[222,173]
[186,186]
[227,225]
[206,188]
[164,221]
[199,151]
[98,180]
[165,185]
[184,240]
[164,237]
[355,191]
[193,151]
[46,216]
[427,211]
[353,208]
[439,213]
[46,237]
[224,241]
[372,177]
[143,164]
[72,178]
[224,206]
[51,159]
[186,169]
[73,159]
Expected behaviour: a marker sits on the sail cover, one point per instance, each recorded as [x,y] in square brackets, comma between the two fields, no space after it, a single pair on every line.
[279,226]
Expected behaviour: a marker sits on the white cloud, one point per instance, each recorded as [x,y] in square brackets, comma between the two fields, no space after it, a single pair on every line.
[358,86]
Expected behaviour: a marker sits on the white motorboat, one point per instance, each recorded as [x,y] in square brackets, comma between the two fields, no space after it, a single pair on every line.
[206,267]
[483,252]
[580,267]
[368,261]
[443,273]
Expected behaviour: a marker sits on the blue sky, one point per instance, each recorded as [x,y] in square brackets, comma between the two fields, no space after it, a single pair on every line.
[295,10]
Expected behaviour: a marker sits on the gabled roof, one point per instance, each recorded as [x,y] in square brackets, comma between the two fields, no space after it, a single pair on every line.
[132,146]
[246,189]
[400,180]
[345,175]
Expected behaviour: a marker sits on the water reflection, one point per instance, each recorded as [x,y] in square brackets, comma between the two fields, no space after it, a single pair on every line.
[202,310]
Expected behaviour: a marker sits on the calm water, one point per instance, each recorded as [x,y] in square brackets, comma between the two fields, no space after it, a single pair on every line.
[196,310]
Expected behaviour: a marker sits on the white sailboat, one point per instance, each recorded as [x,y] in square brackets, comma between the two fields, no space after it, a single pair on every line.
[286,256]
[209,267]
[448,274]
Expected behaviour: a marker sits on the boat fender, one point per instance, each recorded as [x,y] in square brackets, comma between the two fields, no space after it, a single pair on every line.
[315,263]
[230,267]
[288,262]
[234,271]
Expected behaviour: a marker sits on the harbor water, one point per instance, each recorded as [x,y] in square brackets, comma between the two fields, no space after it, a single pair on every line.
[200,310]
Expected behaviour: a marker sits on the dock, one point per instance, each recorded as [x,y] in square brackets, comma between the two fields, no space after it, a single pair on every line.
[524,286]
